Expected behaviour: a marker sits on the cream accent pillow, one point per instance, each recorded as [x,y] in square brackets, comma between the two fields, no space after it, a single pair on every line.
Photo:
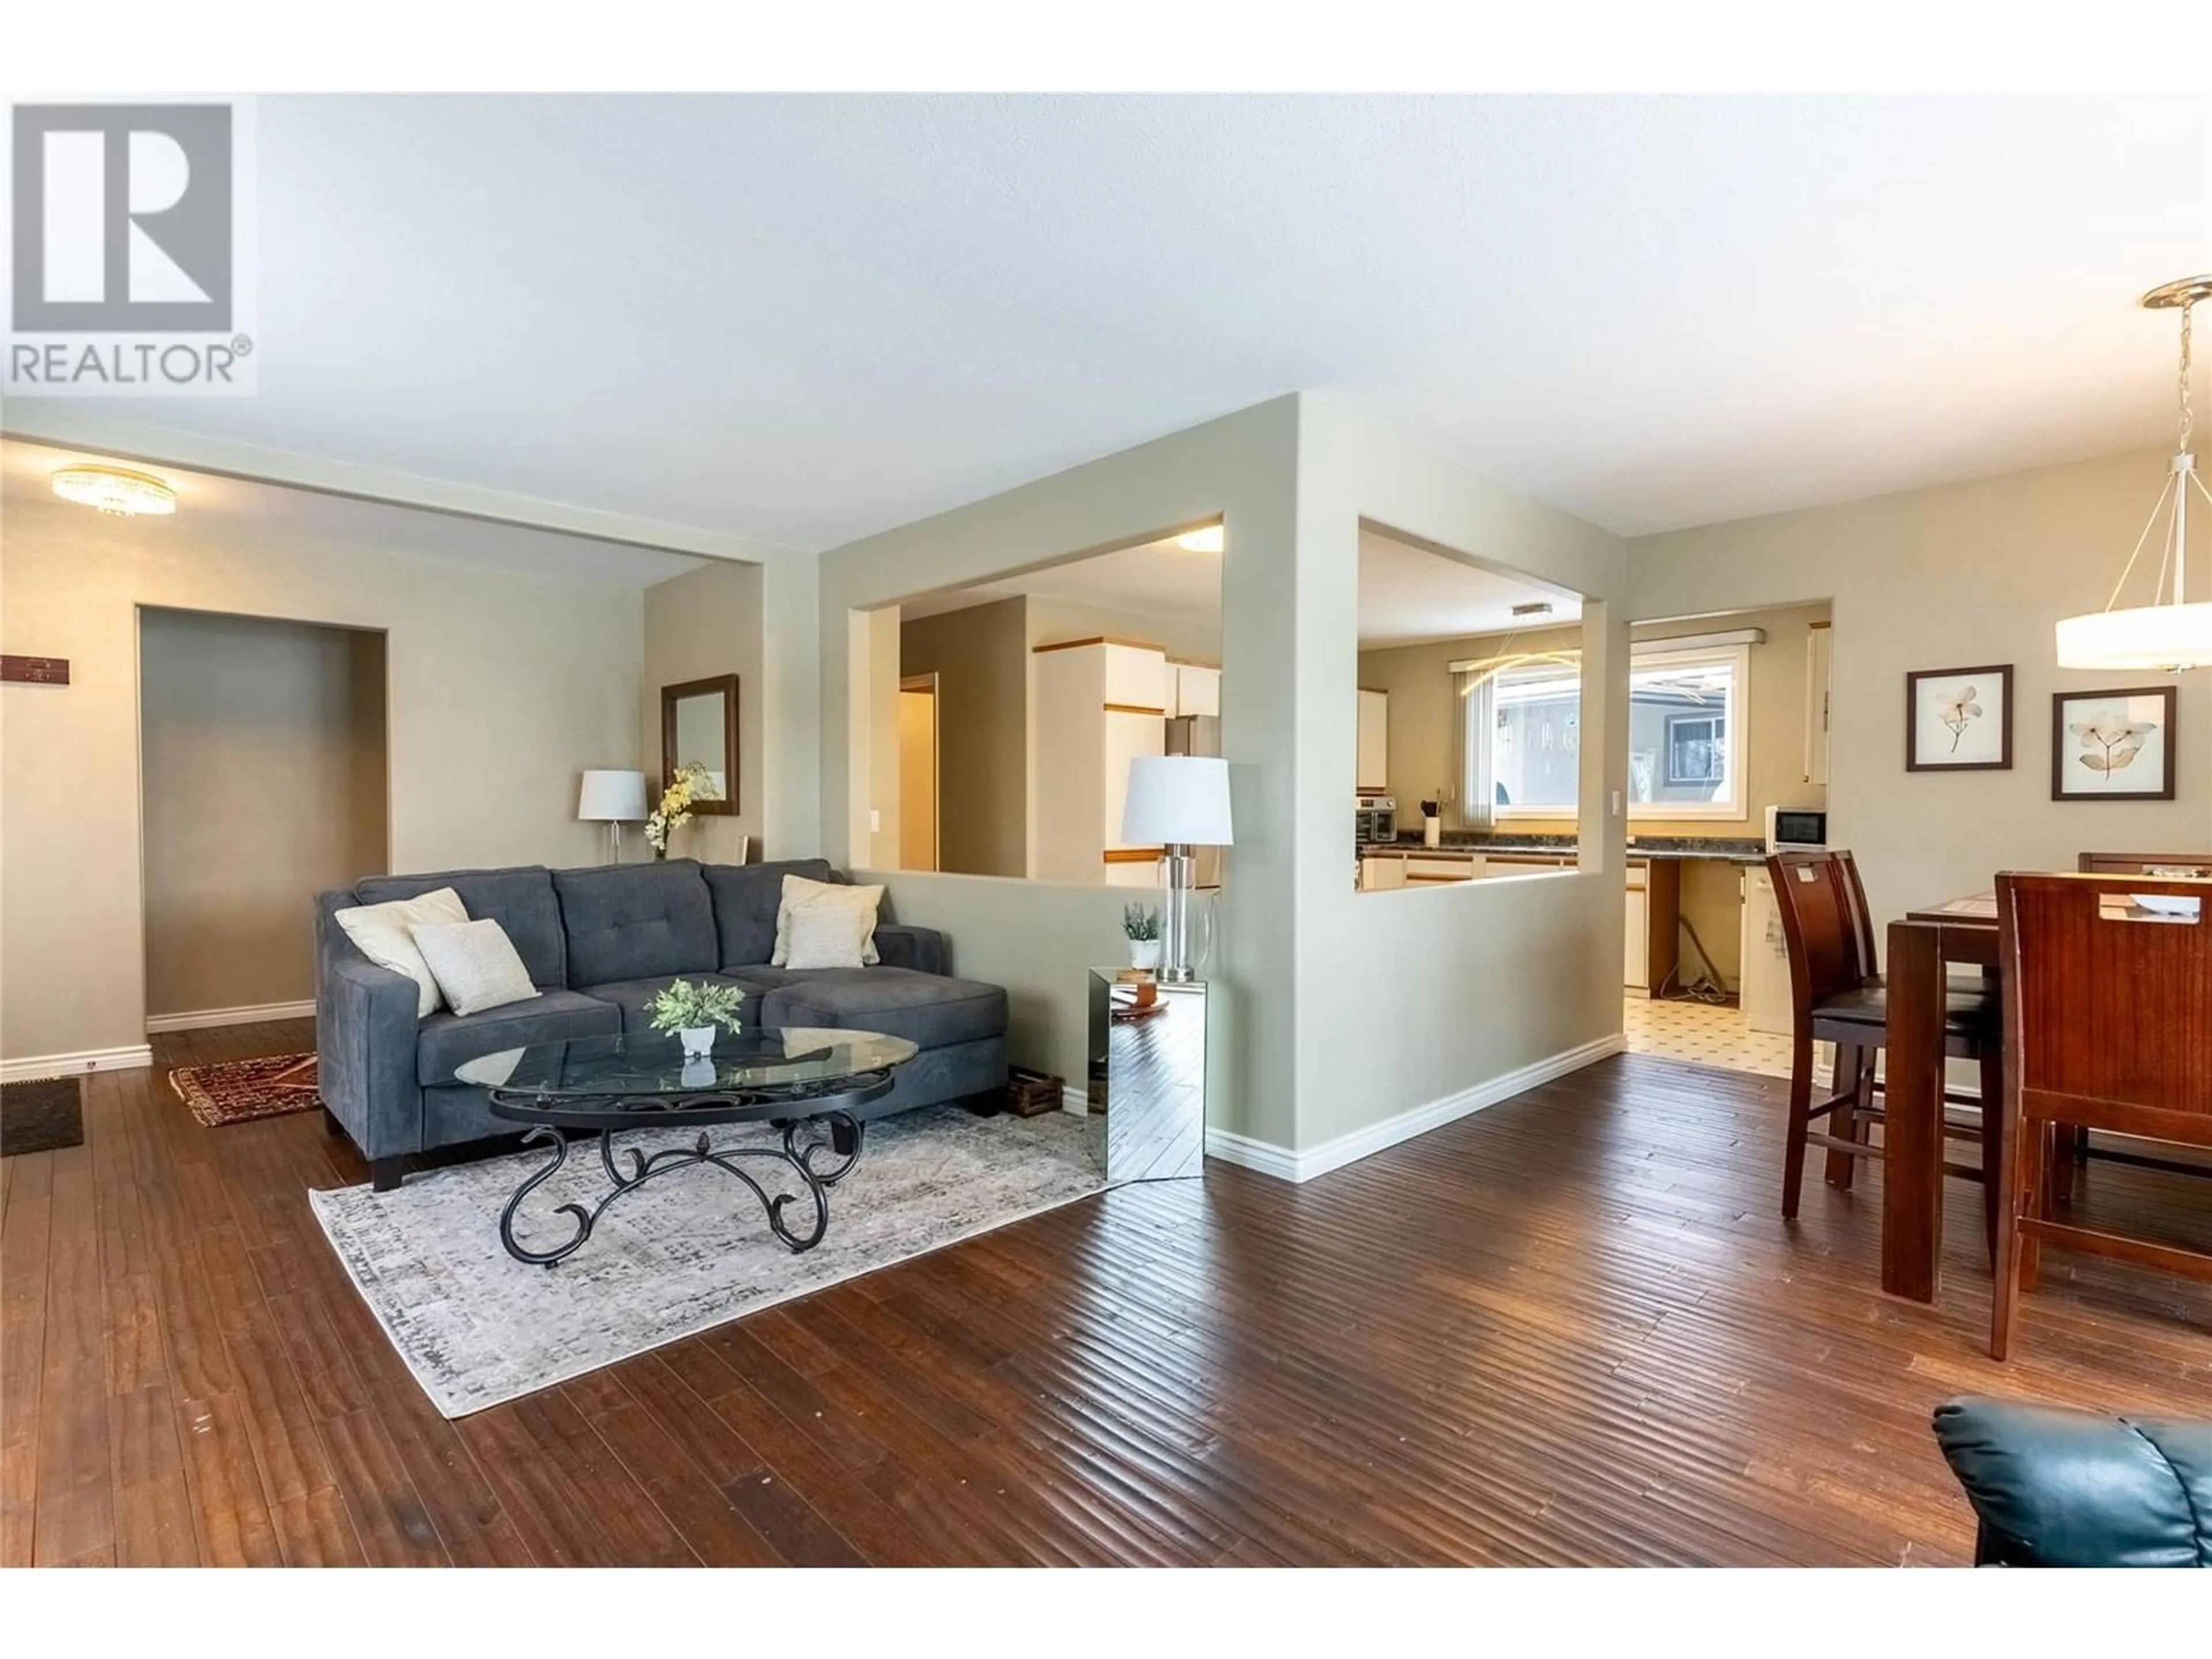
[798,892]
[476,964]
[382,933]
[828,936]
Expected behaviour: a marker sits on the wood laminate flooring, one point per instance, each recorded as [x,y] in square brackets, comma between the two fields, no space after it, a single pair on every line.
[1571,1329]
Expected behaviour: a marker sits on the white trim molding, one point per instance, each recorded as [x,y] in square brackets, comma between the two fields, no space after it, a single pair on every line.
[203,1018]
[1284,1164]
[1073,1101]
[134,1058]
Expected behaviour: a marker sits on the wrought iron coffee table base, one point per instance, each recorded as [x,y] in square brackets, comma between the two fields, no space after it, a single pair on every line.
[844,1144]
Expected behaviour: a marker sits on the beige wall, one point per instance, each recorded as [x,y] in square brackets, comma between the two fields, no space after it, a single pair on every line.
[1421,736]
[981,658]
[1037,939]
[704,623]
[1960,575]
[1417,999]
[262,767]
[1422,755]
[504,685]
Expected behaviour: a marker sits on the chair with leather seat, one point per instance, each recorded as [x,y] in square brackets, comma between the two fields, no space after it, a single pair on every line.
[1837,997]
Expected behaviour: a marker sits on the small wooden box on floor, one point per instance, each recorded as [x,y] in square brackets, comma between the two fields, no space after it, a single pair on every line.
[1146,1082]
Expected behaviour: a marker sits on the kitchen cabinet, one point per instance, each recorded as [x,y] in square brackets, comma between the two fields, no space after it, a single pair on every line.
[1378,874]
[1197,690]
[1819,647]
[1100,703]
[1650,937]
[1373,768]
[1460,869]
[1763,974]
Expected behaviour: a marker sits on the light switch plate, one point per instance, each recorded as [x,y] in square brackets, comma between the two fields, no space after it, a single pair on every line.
[875,821]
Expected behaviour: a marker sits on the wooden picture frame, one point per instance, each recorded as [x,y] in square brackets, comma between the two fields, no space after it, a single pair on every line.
[1987,748]
[2115,750]
[724,686]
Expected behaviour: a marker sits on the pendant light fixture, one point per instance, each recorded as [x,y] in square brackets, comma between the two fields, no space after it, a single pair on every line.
[2169,634]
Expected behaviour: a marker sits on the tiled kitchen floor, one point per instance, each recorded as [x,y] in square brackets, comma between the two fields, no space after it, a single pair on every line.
[1707,1034]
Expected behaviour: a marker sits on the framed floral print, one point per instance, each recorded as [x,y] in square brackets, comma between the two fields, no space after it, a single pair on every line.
[1958,719]
[2112,745]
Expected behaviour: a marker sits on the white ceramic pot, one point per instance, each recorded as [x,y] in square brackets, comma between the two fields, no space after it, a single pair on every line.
[1433,832]
[698,1040]
[1144,953]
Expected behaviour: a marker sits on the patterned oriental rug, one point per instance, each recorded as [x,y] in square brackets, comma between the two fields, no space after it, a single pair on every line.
[683,1253]
[238,1090]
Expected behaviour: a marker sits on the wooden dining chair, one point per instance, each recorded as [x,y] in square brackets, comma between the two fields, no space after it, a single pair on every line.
[1837,997]
[2137,864]
[2107,995]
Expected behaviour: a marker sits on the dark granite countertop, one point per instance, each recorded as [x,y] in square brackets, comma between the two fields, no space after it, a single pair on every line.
[1730,849]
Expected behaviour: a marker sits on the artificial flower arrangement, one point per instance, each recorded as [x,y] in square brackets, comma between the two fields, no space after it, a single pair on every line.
[693,1012]
[691,783]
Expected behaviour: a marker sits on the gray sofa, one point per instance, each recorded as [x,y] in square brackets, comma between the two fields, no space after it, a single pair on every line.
[599,943]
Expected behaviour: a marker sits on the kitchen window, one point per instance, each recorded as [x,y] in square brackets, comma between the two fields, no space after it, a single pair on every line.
[1685,735]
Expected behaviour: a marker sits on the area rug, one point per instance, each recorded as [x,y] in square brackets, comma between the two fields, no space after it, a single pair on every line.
[237,1090]
[41,1116]
[685,1252]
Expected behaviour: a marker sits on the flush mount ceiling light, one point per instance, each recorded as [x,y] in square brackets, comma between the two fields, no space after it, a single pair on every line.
[2169,634]
[114,490]
[1208,540]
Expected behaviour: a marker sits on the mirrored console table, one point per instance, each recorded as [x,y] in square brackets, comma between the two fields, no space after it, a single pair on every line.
[1145,1085]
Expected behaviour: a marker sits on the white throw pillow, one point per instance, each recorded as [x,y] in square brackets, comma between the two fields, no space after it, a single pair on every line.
[382,933]
[828,936]
[798,892]
[476,964]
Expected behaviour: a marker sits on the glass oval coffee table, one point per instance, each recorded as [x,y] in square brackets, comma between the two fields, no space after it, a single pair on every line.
[806,1082]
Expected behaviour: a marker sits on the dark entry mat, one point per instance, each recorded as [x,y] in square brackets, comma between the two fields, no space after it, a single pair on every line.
[43,1115]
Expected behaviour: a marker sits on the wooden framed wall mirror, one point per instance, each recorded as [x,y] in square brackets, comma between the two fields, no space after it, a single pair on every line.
[699,723]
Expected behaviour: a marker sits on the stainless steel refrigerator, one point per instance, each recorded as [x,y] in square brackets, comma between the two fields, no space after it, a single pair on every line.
[1199,734]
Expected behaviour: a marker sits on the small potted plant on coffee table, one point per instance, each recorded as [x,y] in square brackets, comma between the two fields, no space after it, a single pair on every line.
[693,1012]
[1141,924]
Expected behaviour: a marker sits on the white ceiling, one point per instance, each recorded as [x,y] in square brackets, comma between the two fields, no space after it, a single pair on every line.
[1407,595]
[801,319]
[1157,580]
[207,505]
[1410,596]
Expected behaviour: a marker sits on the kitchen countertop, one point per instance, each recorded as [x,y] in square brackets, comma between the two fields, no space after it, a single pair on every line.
[1723,848]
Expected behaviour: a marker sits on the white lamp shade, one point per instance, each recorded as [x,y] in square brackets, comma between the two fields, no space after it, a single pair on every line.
[616,796]
[2159,639]
[1177,799]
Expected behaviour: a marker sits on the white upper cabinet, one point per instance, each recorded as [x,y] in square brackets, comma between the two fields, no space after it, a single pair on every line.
[1374,774]
[1197,690]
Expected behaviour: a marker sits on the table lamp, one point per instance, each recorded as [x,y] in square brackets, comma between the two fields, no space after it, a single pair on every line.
[613,799]
[1179,801]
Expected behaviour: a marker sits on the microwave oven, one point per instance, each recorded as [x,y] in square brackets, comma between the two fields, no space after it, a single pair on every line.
[1790,828]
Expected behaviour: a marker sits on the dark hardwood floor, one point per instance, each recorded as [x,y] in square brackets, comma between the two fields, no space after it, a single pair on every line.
[1571,1329]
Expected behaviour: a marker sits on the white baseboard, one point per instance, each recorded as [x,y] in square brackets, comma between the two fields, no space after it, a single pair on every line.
[1280,1162]
[134,1058]
[203,1018]
[1073,1101]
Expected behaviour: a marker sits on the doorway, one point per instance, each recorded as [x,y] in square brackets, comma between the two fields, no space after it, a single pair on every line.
[262,782]
[917,748]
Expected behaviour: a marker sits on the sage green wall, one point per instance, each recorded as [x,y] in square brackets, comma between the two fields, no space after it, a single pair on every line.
[1039,939]
[1410,998]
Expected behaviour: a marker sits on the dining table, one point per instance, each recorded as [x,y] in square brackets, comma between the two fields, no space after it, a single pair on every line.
[1925,946]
